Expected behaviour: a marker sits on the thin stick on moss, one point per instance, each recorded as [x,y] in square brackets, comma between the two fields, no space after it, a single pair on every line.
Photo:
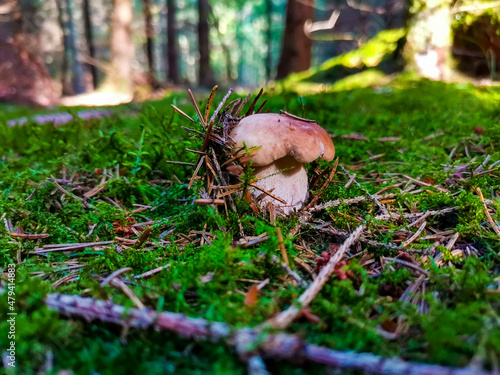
[196,170]
[338,202]
[180,163]
[323,188]
[71,246]
[282,246]
[343,235]
[151,272]
[114,275]
[62,190]
[128,292]
[252,106]
[451,244]
[495,227]
[240,107]
[209,103]
[197,109]
[407,265]
[205,201]
[221,104]
[290,272]
[268,193]
[143,237]
[373,198]
[196,151]
[279,346]
[415,236]
[30,236]
[182,113]
[419,220]
[262,106]
[285,318]
[288,114]
[189,130]
[393,215]
[425,184]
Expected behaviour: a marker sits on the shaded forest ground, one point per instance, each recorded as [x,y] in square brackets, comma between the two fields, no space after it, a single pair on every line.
[445,136]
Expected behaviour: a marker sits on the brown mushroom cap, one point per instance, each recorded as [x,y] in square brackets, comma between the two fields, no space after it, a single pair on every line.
[279,136]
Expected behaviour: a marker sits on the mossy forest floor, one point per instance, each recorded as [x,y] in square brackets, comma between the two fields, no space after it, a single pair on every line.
[430,146]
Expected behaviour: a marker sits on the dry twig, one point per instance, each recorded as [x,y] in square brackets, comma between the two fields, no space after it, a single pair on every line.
[283,319]
[487,213]
[373,198]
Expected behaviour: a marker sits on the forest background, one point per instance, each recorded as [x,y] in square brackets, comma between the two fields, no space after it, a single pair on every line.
[76,46]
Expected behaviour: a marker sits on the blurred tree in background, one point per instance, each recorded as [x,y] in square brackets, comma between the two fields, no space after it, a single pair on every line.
[71,71]
[172,60]
[297,46]
[89,37]
[121,44]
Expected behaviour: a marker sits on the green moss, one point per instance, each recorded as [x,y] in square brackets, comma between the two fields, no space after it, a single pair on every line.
[430,119]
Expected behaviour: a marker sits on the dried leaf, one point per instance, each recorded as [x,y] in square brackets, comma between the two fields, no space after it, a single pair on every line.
[312,318]
[429,181]
[389,325]
[235,170]
[251,296]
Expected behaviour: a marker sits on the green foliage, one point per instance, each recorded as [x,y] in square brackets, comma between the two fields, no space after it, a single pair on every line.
[344,67]
[430,119]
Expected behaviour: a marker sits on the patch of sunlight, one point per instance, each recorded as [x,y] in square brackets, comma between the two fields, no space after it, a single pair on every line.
[96,99]
[368,78]
[311,88]
[369,55]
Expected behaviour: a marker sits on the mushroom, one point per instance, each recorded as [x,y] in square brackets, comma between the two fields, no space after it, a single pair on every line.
[286,143]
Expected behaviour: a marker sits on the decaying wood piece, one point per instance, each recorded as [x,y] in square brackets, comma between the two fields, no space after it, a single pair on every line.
[247,342]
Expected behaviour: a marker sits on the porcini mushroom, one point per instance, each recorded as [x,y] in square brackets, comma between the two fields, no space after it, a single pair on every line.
[286,143]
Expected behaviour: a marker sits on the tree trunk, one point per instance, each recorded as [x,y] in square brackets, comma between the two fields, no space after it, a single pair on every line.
[76,65]
[172,45]
[89,36]
[122,47]
[269,38]
[428,44]
[148,26]
[65,79]
[205,71]
[296,47]
[71,69]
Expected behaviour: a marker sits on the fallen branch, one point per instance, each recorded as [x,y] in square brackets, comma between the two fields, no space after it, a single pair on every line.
[280,346]
[425,184]
[344,235]
[71,246]
[487,213]
[338,202]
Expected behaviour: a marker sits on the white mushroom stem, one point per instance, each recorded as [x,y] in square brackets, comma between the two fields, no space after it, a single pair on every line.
[286,179]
